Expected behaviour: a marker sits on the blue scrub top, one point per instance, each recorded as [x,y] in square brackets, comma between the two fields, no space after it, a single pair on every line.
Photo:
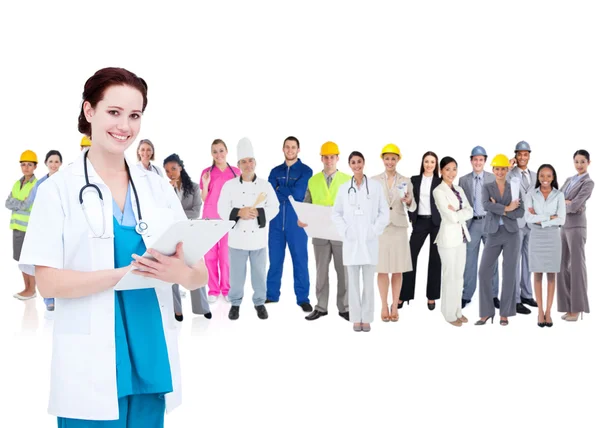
[142,357]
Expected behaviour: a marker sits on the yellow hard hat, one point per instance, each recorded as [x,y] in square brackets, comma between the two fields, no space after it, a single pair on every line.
[500,161]
[28,156]
[391,148]
[85,141]
[329,148]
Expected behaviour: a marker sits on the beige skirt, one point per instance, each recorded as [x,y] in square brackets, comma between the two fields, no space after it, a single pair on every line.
[394,251]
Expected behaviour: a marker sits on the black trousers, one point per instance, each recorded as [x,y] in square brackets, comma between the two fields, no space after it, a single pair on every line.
[421,228]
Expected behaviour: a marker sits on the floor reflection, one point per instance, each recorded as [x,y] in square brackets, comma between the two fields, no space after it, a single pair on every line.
[31,320]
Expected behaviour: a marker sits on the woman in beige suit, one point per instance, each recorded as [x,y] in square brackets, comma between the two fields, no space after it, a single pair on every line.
[394,251]
[452,238]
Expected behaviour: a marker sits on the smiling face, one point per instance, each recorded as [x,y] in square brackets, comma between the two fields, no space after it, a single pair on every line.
[330,161]
[545,176]
[449,172]
[500,172]
[429,164]
[581,164]
[390,160]
[356,165]
[145,152]
[53,164]
[290,150]
[247,166]
[116,119]
[219,153]
[173,170]
[478,162]
[522,157]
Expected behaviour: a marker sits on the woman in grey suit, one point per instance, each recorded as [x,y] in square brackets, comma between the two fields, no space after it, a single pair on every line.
[191,200]
[545,214]
[503,237]
[572,279]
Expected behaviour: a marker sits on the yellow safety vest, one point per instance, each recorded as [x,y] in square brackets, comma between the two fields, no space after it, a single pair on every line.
[20,219]
[320,193]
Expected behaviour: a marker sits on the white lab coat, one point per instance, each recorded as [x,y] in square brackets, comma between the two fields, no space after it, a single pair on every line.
[83,377]
[153,168]
[360,232]
[236,193]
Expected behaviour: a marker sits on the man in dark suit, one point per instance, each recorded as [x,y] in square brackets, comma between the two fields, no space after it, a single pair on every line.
[472,183]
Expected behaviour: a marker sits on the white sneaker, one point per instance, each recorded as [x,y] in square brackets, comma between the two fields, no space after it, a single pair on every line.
[227,298]
[212,299]
[20,297]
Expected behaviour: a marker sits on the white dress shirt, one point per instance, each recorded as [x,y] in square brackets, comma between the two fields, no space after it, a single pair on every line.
[425,196]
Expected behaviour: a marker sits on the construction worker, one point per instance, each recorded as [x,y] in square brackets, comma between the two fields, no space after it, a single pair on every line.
[19,203]
[322,190]
[472,183]
[527,179]
[85,142]
[289,179]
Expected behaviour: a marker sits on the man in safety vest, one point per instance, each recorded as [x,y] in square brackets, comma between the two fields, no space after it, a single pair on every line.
[20,205]
[322,190]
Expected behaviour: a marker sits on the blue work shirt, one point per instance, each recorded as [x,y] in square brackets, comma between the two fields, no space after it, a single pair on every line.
[289,181]
[141,350]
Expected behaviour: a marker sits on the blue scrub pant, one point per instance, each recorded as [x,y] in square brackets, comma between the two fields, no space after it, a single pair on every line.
[135,411]
[297,241]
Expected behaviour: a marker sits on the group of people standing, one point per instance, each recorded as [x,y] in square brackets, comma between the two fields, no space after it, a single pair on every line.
[540,229]
[108,203]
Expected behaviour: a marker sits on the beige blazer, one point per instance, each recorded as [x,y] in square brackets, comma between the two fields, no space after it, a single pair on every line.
[454,223]
[398,208]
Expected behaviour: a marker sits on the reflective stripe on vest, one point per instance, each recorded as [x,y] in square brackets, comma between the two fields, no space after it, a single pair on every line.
[320,193]
[19,219]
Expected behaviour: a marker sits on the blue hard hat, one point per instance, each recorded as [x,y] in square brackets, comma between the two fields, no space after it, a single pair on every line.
[478,151]
[523,146]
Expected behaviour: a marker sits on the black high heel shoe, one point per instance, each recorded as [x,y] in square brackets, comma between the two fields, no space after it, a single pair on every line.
[431,306]
[483,322]
[402,303]
[548,324]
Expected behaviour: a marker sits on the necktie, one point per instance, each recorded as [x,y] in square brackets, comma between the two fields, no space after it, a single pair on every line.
[525,180]
[478,206]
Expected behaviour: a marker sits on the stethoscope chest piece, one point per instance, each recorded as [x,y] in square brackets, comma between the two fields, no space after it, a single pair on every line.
[142,228]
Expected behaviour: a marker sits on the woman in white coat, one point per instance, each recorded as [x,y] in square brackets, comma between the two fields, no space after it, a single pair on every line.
[360,215]
[114,352]
[452,239]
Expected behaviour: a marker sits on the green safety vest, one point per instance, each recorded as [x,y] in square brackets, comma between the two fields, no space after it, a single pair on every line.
[320,193]
[20,219]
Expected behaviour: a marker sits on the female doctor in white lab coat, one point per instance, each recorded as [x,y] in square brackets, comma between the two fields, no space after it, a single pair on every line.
[360,215]
[115,358]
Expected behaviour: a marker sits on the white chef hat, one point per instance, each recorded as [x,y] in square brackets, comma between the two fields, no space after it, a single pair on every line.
[244,149]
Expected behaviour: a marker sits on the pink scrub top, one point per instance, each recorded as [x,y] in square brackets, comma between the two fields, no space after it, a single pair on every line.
[217,180]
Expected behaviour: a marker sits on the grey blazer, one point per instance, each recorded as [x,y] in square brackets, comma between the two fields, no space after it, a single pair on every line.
[496,210]
[516,172]
[466,182]
[578,195]
[191,203]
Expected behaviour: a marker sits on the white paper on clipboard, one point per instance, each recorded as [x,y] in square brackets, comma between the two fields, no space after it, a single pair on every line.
[318,218]
[515,185]
[198,236]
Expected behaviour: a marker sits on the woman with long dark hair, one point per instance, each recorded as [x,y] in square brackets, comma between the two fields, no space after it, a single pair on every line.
[545,213]
[425,222]
[188,193]
[572,279]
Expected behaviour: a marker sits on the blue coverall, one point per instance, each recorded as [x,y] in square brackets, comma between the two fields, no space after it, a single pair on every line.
[284,229]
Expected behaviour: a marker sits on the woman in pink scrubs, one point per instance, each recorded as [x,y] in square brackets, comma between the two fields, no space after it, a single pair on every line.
[211,183]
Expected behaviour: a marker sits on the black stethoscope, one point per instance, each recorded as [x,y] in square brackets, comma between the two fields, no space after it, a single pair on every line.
[141,227]
[230,168]
[354,188]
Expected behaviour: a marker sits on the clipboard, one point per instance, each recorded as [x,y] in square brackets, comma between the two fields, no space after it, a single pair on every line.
[198,236]
[318,218]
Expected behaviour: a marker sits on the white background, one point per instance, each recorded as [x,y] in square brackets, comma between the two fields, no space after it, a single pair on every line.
[441,76]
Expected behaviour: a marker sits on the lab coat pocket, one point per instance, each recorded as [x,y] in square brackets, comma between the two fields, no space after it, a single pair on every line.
[73,316]
[351,233]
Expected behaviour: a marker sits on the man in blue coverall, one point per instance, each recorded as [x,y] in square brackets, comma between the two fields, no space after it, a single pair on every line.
[289,179]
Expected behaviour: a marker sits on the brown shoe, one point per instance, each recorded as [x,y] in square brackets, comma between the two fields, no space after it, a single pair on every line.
[456,323]
[463,319]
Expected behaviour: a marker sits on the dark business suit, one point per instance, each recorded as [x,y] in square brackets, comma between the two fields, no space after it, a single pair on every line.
[475,226]
[421,228]
[572,278]
[501,239]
